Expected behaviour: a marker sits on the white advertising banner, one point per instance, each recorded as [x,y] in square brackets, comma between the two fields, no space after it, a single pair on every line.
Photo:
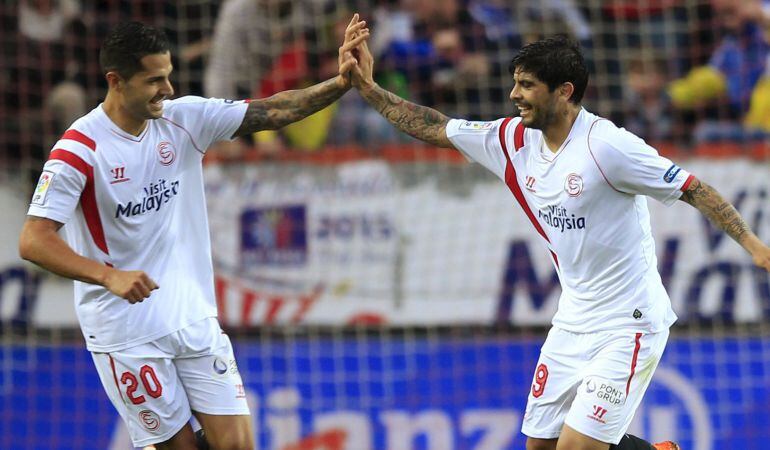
[414,244]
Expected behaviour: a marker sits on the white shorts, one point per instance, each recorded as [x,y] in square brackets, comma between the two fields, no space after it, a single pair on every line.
[593,382]
[154,386]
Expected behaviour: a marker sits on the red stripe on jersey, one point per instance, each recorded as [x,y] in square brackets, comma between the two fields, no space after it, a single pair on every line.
[637,345]
[518,136]
[687,182]
[72,160]
[87,197]
[512,182]
[76,135]
[501,135]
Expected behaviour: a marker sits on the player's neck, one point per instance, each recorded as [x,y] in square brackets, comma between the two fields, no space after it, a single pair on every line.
[556,133]
[121,117]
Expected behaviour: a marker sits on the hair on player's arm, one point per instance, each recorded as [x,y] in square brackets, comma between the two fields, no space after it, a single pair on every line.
[718,210]
[287,107]
[421,122]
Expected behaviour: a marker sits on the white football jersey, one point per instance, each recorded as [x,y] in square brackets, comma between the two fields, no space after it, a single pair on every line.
[587,203]
[137,203]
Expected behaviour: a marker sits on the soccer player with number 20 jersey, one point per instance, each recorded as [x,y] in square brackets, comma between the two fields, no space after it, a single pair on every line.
[127,181]
[581,181]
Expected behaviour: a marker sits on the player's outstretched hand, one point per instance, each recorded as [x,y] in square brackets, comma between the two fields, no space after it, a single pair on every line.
[363,72]
[761,257]
[355,34]
[132,285]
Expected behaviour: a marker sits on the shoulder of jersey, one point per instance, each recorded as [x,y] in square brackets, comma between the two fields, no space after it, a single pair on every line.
[187,99]
[172,109]
[85,130]
[604,130]
[513,122]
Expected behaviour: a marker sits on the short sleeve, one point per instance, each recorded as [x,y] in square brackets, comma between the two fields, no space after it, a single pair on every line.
[630,165]
[57,192]
[479,142]
[208,120]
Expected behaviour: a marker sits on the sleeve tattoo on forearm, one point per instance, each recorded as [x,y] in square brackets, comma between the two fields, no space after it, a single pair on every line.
[718,210]
[287,107]
[420,122]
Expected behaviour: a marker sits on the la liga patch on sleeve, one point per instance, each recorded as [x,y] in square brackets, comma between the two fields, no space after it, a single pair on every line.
[41,190]
[475,126]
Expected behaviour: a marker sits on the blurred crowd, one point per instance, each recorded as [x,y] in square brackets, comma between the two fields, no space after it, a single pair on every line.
[676,71]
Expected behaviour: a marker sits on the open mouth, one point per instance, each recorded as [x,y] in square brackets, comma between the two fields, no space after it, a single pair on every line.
[524,110]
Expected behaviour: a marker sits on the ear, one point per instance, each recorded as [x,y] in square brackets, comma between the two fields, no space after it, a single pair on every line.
[566,90]
[114,80]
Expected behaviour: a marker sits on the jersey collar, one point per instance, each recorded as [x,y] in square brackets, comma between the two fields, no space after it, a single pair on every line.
[577,126]
[116,130]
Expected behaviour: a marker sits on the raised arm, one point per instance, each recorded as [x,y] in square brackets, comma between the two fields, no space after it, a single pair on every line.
[724,215]
[287,107]
[421,122]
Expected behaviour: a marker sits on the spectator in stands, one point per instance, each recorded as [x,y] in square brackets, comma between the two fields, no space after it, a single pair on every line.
[757,120]
[354,122]
[248,36]
[41,73]
[44,24]
[261,47]
[726,83]
[647,108]
[560,15]
[628,26]
[448,54]
[650,13]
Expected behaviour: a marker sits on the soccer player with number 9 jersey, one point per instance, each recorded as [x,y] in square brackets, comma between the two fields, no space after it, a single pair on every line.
[582,182]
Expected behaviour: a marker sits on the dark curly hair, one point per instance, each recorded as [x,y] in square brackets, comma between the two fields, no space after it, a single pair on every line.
[126,45]
[554,61]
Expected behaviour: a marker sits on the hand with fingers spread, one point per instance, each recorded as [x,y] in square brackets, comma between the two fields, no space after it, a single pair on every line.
[418,121]
[363,77]
[132,285]
[356,34]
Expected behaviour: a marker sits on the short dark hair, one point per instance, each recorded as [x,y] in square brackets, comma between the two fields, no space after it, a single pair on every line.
[554,60]
[126,45]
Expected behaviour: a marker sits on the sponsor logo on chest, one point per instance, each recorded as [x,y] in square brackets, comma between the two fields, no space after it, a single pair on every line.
[558,218]
[156,196]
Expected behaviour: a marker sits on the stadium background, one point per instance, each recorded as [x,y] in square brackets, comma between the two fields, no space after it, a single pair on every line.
[382,294]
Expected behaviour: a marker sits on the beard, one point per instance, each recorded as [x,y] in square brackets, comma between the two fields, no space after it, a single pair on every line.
[541,118]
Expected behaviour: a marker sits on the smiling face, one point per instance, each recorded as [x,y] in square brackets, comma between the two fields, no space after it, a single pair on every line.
[142,95]
[537,105]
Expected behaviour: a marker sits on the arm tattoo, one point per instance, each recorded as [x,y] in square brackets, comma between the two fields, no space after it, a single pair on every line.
[287,107]
[718,210]
[420,122]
